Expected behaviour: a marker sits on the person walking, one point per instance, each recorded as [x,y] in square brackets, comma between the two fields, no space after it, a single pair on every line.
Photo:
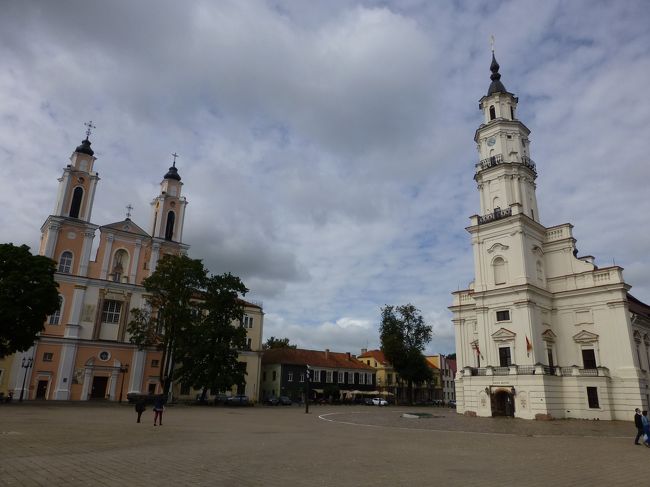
[158,408]
[638,422]
[140,407]
[646,428]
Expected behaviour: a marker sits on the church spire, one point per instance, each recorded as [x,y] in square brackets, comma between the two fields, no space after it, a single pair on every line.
[496,86]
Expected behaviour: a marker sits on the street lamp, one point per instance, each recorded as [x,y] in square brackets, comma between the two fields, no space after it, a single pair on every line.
[308,374]
[123,370]
[27,364]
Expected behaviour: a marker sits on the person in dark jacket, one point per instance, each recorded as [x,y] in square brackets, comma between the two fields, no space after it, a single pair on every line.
[638,422]
[158,408]
[140,407]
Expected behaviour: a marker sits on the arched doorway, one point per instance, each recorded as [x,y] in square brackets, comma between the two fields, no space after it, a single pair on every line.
[503,403]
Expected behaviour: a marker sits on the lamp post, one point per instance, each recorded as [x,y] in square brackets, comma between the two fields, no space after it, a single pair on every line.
[308,374]
[123,370]
[27,364]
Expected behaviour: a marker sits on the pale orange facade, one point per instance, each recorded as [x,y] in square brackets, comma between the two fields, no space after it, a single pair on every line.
[84,351]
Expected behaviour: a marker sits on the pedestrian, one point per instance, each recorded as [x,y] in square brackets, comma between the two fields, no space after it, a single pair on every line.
[638,422]
[140,407]
[158,408]
[646,428]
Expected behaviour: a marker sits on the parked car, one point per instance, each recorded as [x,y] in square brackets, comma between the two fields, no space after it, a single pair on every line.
[272,401]
[220,399]
[378,401]
[285,401]
[238,400]
[452,404]
[367,401]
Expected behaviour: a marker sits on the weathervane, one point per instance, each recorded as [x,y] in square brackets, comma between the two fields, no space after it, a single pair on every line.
[129,207]
[90,126]
[175,156]
[492,42]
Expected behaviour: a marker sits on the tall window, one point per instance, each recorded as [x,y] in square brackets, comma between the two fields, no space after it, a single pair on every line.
[55,318]
[328,377]
[504,357]
[169,228]
[65,262]
[592,397]
[512,113]
[499,266]
[247,322]
[549,353]
[111,311]
[493,112]
[350,377]
[75,206]
[341,377]
[290,376]
[589,358]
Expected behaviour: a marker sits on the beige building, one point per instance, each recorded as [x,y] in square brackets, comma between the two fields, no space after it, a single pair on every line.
[84,351]
[541,331]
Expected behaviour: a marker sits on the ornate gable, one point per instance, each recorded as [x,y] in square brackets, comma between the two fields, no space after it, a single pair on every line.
[585,337]
[549,336]
[503,335]
[497,246]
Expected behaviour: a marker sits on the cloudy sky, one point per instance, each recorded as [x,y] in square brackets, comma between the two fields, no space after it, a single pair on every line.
[327,146]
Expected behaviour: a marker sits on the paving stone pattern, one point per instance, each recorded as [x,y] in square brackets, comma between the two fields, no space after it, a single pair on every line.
[101,445]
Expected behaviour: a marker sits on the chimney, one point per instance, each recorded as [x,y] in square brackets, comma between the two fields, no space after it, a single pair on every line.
[327,354]
[363,350]
[347,354]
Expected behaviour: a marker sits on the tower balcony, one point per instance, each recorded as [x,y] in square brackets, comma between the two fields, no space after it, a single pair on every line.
[497,214]
[497,159]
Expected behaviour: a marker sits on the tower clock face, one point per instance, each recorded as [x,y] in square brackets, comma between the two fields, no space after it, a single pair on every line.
[491,141]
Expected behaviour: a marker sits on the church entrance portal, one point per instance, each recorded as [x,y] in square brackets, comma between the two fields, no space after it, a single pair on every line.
[41,389]
[503,403]
[99,388]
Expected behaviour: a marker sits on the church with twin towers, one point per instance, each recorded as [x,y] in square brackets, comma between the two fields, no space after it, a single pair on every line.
[541,332]
[84,351]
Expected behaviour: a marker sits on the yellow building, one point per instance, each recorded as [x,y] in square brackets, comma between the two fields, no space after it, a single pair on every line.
[84,351]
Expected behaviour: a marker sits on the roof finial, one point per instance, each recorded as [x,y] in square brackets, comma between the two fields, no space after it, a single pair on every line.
[129,207]
[175,156]
[492,42]
[496,86]
[90,126]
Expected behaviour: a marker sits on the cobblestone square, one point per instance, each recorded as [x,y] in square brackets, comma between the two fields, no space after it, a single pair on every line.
[101,445]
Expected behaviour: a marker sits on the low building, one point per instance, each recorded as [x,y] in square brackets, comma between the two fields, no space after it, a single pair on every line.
[335,376]
[446,372]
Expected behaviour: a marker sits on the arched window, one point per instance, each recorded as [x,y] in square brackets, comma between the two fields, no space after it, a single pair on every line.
[499,266]
[77,196]
[120,264]
[512,113]
[55,318]
[169,228]
[65,262]
[493,112]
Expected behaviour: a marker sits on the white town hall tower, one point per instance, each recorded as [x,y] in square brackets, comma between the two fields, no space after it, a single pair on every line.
[540,333]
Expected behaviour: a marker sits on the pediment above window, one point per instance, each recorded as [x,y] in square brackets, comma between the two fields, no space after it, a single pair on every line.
[537,250]
[497,246]
[503,335]
[549,336]
[585,337]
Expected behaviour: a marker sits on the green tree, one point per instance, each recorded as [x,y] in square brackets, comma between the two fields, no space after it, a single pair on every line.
[172,310]
[210,347]
[273,342]
[28,293]
[404,334]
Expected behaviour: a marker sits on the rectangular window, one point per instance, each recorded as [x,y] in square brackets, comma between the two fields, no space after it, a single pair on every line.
[589,358]
[592,397]
[247,322]
[362,378]
[48,356]
[155,363]
[290,376]
[503,315]
[341,378]
[302,377]
[55,317]
[275,375]
[350,377]
[111,311]
[249,343]
[504,356]
[329,377]
[315,376]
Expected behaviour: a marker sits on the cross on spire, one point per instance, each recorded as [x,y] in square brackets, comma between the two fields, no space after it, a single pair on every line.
[90,126]
[175,156]
[492,42]
[129,207]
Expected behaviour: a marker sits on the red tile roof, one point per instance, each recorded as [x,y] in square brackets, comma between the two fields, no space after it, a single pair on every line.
[313,358]
[378,355]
